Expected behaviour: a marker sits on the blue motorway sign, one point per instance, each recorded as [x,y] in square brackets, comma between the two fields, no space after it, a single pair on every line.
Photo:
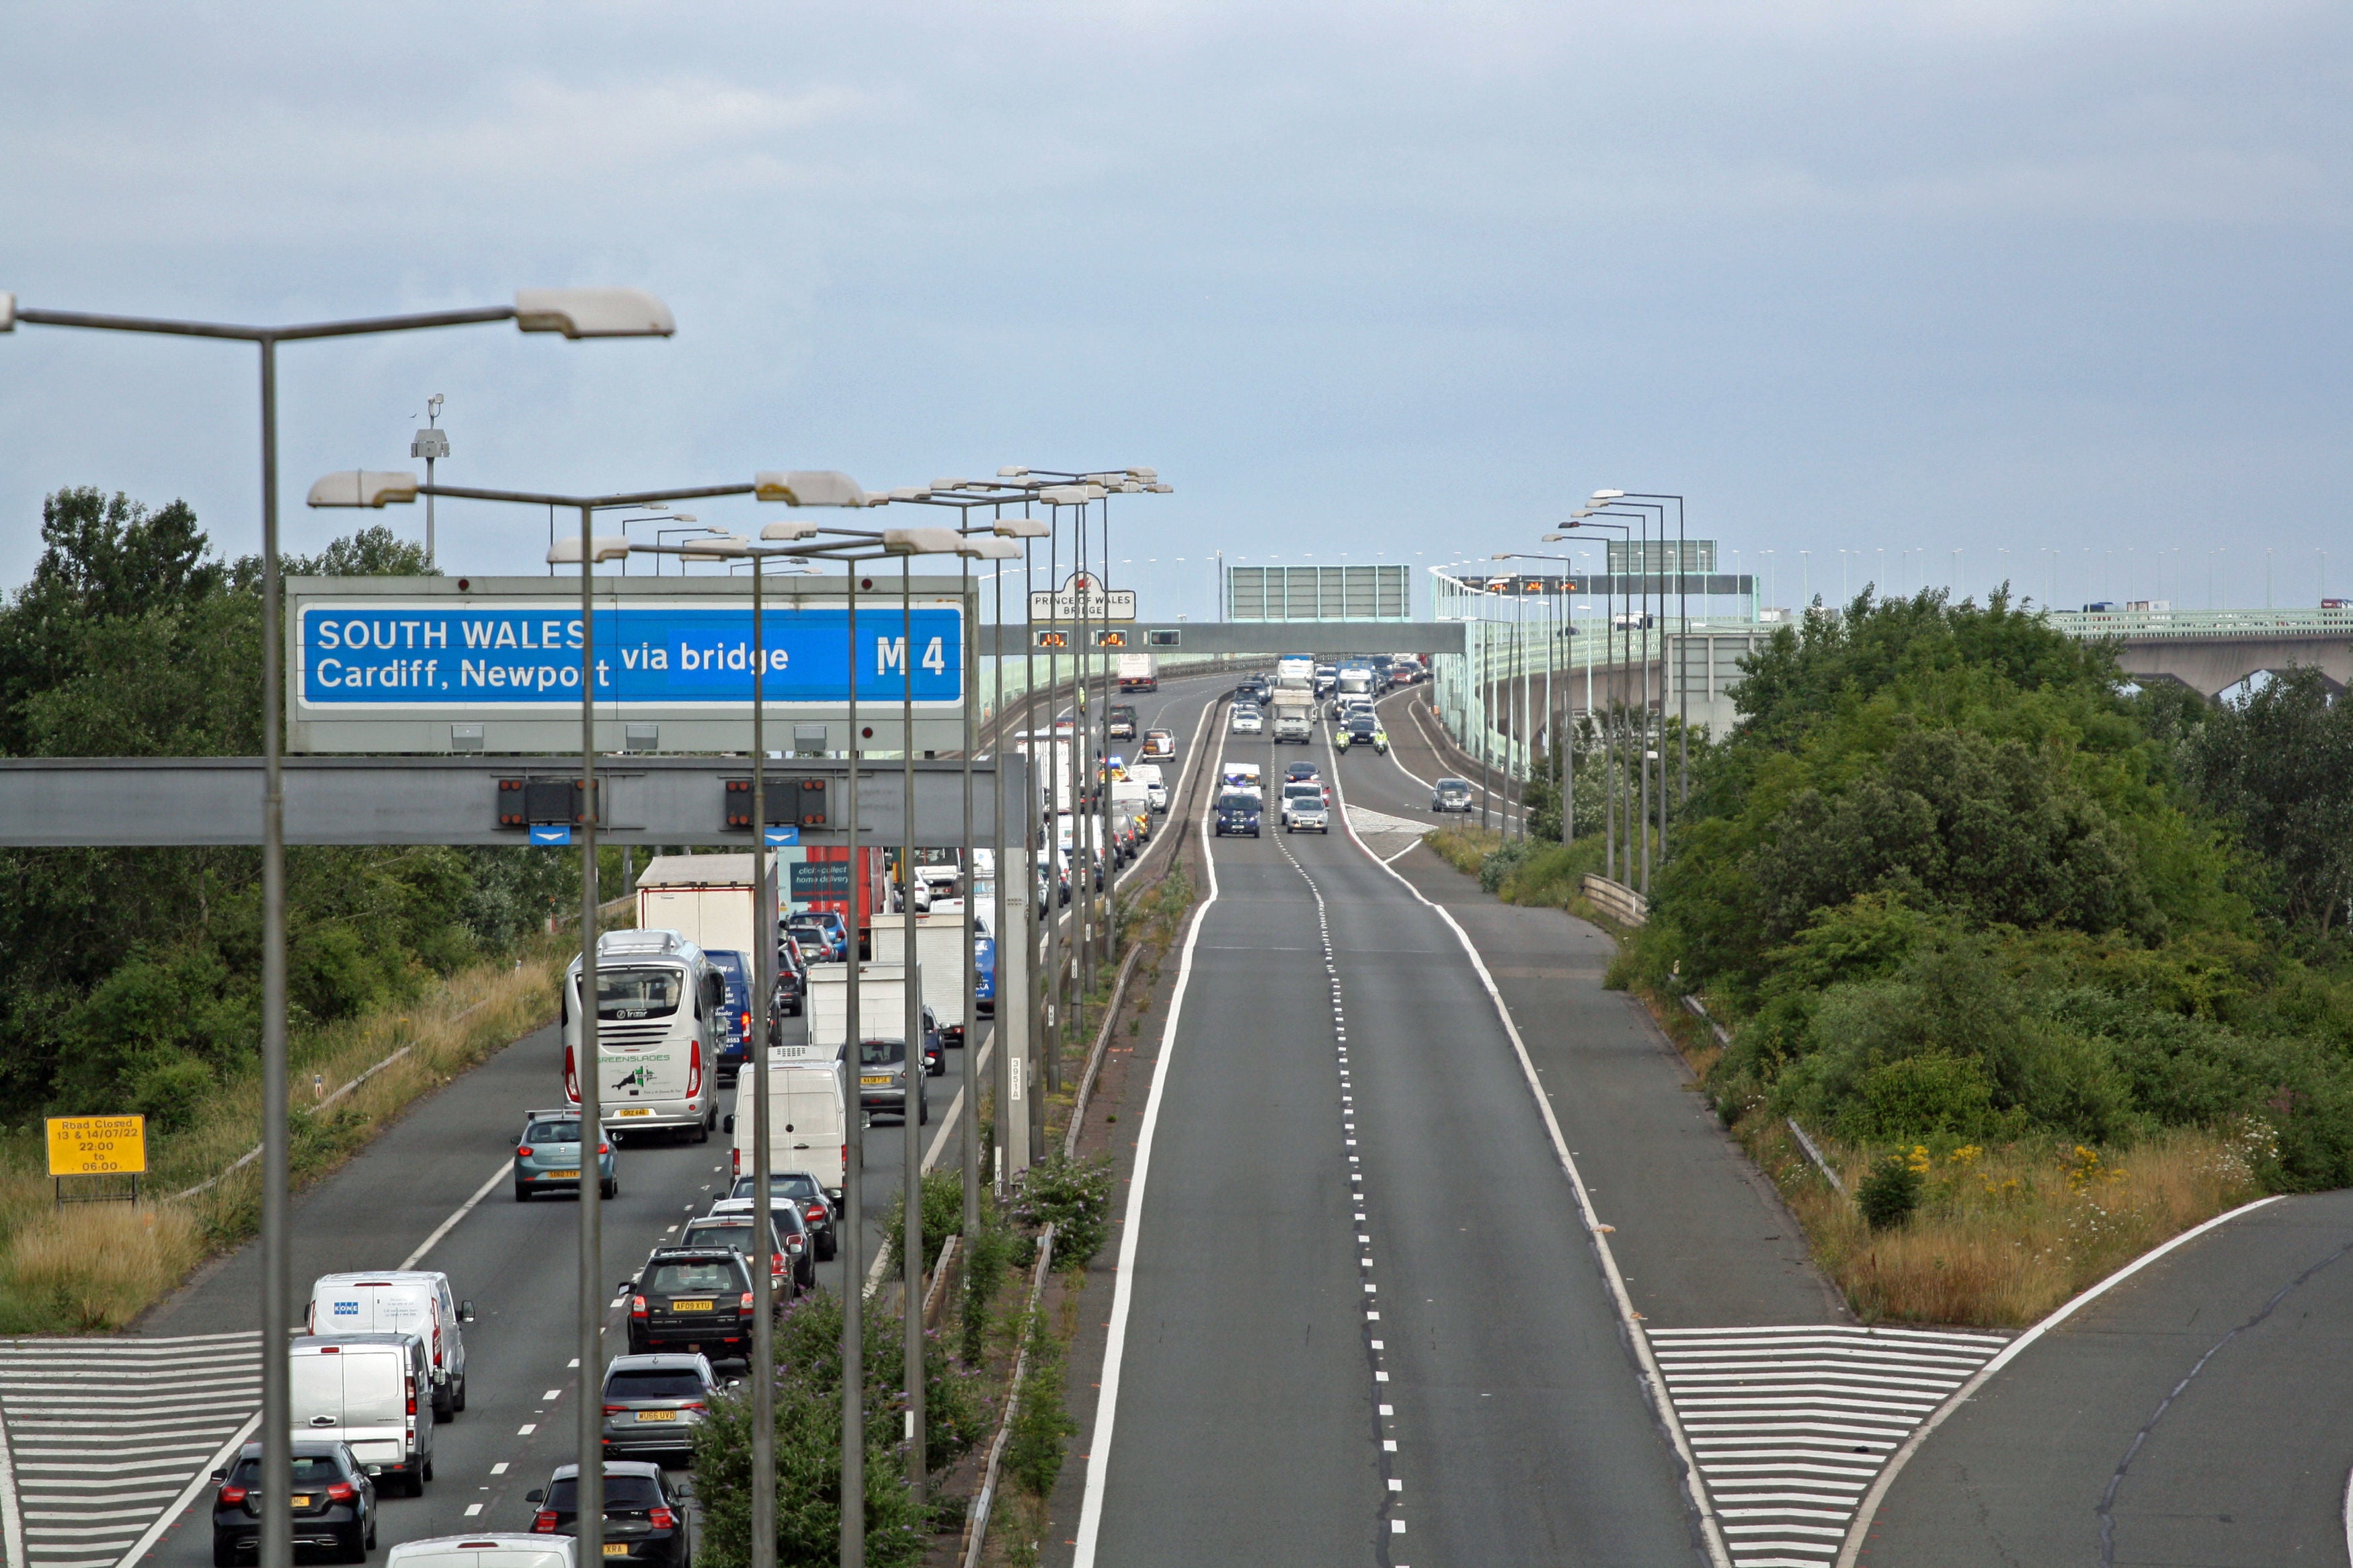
[382,655]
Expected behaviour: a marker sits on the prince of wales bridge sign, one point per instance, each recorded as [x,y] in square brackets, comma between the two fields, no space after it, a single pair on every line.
[493,664]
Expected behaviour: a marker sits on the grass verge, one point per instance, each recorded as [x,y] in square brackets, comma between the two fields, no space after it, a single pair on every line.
[92,1268]
[2001,1235]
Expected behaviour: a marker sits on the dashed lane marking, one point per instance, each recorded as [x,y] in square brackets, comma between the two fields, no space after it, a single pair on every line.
[103,1436]
[1790,1426]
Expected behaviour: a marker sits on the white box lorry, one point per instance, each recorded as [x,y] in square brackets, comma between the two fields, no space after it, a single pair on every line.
[707,899]
[1139,672]
[940,943]
[1294,714]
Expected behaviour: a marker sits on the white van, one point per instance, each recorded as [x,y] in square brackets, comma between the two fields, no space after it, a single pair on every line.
[372,1392]
[489,1550]
[661,1020]
[807,1129]
[1155,787]
[416,1302]
[1242,777]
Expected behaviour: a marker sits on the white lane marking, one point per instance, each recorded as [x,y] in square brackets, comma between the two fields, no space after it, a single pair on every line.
[1123,1282]
[1711,1532]
[553,1394]
[474,1507]
[196,1484]
[528,1428]
[499,1469]
[1852,1548]
[506,1169]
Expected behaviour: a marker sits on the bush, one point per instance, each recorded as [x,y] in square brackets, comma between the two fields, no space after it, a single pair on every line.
[1915,1097]
[1074,1196]
[1890,1193]
[1041,1427]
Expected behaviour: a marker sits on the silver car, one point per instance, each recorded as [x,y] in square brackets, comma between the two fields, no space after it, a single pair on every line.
[655,1404]
[882,1081]
[1451,794]
[1304,810]
[1246,722]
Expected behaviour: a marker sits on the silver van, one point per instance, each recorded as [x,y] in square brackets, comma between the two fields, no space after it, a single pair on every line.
[401,1301]
[373,1392]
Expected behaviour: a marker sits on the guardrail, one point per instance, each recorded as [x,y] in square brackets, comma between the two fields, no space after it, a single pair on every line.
[1616,900]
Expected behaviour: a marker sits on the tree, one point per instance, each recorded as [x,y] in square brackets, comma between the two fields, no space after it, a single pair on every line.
[2280,764]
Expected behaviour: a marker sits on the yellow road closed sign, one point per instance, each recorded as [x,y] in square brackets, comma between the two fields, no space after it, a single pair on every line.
[98,1145]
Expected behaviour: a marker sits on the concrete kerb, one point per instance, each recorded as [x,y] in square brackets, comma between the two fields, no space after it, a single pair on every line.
[975,1525]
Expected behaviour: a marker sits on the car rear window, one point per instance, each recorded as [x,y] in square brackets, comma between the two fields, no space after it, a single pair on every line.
[881,1053]
[317,1471]
[691,1277]
[620,1492]
[553,1132]
[652,1384]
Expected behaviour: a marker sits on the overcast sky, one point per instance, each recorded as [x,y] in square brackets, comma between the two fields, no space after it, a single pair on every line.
[1359,279]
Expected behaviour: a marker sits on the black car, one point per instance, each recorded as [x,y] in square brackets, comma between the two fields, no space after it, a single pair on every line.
[692,1298]
[333,1500]
[792,978]
[644,1512]
[801,1188]
[1254,689]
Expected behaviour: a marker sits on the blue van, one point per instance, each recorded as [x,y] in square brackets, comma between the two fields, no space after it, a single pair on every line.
[736,968]
[984,975]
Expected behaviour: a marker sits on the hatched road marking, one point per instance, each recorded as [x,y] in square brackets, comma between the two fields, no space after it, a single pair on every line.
[1790,1426]
[104,1436]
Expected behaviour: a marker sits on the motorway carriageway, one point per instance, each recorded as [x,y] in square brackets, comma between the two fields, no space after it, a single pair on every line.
[111,1440]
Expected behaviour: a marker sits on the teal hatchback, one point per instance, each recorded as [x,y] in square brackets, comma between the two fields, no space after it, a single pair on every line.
[547,1156]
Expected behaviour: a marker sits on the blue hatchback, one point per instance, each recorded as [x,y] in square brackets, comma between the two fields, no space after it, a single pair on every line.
[547,1157]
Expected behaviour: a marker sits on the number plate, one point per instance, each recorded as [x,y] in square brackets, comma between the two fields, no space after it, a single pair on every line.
[690,1305]
[300,1499]
[563,1175]
[875,1082]
[616,1548]
[635,1110]
[657,1414]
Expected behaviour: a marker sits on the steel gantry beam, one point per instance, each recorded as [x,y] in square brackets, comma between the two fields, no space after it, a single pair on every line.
[52,802]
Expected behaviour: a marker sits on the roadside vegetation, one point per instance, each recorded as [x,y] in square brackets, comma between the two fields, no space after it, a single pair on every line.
[130,979]
[2050,968]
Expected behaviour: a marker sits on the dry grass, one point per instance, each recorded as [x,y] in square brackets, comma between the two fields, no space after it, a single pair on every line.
[97,1265]
[2004,1236]
[66,1274]
[1465,848]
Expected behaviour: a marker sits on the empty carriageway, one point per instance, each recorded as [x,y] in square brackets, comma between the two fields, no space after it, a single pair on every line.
[1359,1311]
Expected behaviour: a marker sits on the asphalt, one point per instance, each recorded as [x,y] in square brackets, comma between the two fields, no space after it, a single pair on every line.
[2191,1416]
[1703,1239]
[517,1263]
[1522,1431]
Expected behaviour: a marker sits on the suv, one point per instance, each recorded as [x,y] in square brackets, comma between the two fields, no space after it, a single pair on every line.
[645,1518]
[1122,722]
[792,982]
[803,1191]
[1451,794]
[882,1081]
[692,1298]
[547,1156]
[792,1261]
[653,1404]
[823,936]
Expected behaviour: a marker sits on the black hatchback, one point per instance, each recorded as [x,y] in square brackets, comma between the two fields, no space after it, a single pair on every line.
[332,1499]
[644,1512]
[692,1298]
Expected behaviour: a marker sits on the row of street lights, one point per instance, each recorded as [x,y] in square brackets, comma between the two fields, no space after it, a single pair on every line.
[579,313]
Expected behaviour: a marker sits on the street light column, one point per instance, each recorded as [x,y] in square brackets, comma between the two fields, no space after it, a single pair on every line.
[588,1072]
[910,1245]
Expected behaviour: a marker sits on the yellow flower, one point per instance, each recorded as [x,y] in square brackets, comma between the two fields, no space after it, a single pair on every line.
[1919,1158]
[1964,1156]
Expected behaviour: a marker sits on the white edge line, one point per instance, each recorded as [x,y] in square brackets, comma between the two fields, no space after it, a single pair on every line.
[2348,1515]
[12,1520]
[196,1483]
[1852,1548]
[506,1169]
[1122,1284]
[1710,1529]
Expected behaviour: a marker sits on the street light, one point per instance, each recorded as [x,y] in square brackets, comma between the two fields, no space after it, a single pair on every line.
[575,312]
[1565,776]
[364,489]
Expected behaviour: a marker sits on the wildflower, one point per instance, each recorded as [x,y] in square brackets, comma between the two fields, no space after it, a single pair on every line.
[1964,1156]
[1918,1159]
